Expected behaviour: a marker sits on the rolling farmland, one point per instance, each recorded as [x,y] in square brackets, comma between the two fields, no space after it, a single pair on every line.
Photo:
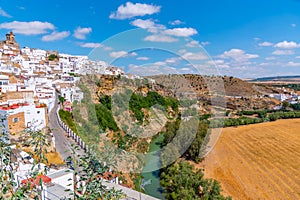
[260,161]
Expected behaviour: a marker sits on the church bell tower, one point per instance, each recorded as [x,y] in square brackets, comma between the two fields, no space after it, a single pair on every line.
[10,38]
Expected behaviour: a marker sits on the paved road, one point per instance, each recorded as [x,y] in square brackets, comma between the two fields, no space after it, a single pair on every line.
[63,147]
[62,142]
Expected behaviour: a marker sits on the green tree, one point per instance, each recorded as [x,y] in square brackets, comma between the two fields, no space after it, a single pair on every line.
[195,149]
[106,101]
[38,141]
[8,186]
[52,57]
[285,104]
[61,99]
[181,181]
[90,171]
[137,102]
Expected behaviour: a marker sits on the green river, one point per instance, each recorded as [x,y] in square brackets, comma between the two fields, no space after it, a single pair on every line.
[151,178]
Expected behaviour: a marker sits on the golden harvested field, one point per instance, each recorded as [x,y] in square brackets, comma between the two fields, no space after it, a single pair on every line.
[260,161]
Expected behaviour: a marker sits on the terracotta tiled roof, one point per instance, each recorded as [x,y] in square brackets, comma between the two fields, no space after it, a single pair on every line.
[36,181]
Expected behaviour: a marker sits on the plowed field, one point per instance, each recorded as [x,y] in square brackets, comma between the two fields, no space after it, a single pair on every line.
[260,161]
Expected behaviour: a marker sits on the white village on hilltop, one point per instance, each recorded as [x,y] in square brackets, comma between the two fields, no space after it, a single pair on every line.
[30,78]
[31,81]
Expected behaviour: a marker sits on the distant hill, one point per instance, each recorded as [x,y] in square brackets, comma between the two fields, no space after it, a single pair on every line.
[240,94]
[295,78]
[205,84]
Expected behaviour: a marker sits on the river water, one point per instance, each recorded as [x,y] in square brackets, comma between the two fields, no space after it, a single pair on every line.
[151,178]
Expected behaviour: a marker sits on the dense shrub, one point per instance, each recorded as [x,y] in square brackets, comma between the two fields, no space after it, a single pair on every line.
[105,118]
[137,102]
[67,118]
[181,181]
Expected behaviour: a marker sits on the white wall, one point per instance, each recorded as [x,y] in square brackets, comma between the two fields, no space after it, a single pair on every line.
[65,179]
[10,87]
[67,93]
[35,116]
[49,102]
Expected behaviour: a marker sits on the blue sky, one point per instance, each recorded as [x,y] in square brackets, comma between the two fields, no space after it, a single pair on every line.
[244,38]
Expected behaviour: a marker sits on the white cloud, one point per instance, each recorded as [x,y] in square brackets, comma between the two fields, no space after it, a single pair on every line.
[287,45]
[265,44]
[263,64]
[107,48]
[154,30]
[292,64]
[143,58]
[28,28]
[80,33]
[186,69]
[176,22]
[280,64]
[192,43]
[283,52]
[270,58]
[181,32]
[55,36]
[130,10]
[223,66]
[219,62]
[293,25]
[238,55]
[160,38]
[205,43]
[94,45]
[297,56]
[256,39]
[152,69]
[182,51]
[146,24]
[173,60]
[160,63]
[195,56]
[133,54]
[4,14]
[91,45]
[118,54]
